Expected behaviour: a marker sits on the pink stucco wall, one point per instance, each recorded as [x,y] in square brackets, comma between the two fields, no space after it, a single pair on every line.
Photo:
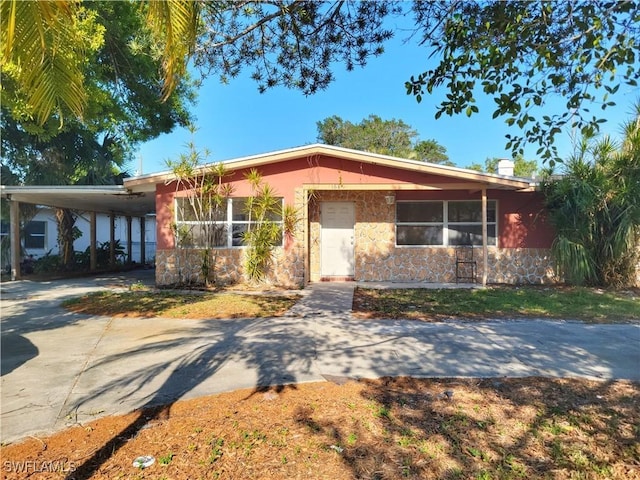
[521,222]
[285,176]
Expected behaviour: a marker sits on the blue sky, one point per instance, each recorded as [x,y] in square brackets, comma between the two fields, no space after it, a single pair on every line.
[234,120]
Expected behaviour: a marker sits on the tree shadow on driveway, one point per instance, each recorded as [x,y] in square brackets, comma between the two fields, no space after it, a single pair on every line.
[177,366]
[16,350]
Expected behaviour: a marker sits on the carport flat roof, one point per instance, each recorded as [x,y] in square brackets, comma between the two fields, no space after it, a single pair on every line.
[108,199]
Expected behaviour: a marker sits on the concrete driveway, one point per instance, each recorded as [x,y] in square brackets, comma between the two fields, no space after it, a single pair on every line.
[59,368]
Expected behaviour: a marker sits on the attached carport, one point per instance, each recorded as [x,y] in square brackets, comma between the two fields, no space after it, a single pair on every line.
[113,200]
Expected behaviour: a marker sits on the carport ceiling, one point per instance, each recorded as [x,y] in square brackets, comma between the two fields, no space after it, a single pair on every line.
[100,199]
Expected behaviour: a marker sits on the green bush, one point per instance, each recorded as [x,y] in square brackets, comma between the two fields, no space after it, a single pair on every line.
[48,263]
[83,259]
[53,263]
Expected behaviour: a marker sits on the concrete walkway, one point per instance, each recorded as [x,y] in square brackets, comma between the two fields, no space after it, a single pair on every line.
[59,368]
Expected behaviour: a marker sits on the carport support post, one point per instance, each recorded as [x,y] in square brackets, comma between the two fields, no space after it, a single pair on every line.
[129,243]
[14,239]
[93,254]
[485,253]
[142,240]
[112,241]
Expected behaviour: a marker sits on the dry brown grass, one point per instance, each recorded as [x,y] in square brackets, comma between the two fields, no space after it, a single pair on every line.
[369,429]
[183,305]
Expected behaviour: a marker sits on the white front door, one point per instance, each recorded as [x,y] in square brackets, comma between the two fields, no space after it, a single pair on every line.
[337,239]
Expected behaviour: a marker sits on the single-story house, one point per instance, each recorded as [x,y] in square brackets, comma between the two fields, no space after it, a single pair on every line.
[365,217]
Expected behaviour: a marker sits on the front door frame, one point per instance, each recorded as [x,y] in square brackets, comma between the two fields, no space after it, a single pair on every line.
[344,235]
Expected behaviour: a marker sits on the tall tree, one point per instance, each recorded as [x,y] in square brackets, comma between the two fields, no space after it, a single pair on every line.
[523,54]
[42,48]
[45,48]
[431,151]
[372,134]
[526,53]
[595,209]
[294,43]
[386,137]
[123,109]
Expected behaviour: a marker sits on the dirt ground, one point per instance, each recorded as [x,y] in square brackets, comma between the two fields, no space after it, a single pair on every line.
[368,429]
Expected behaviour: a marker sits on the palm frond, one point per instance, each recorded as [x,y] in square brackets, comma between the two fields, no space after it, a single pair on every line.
[175,24]
[574,262]
[40,43]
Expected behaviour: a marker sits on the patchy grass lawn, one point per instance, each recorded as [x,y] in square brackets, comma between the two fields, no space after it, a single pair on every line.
[585,304]
[384,429]
[181,305]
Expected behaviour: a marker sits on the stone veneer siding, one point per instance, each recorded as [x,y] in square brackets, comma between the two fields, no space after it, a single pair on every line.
[183,267]
[378,259]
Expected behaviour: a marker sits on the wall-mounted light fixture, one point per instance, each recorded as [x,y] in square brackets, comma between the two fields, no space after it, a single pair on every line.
[390,199]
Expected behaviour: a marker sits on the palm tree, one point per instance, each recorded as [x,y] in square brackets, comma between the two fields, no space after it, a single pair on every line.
[43,44]
[595,210]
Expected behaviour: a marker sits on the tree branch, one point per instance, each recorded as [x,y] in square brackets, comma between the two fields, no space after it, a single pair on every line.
[256,25]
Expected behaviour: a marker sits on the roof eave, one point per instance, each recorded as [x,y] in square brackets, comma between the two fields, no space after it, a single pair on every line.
[491,180]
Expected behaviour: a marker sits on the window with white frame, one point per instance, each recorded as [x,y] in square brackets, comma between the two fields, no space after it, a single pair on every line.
[196,226]
[444,223]
[221,226]
[35,235]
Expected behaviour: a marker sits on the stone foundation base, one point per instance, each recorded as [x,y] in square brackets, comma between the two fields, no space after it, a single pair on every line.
[434,265]
[184,267]
[438,265]
[520,266]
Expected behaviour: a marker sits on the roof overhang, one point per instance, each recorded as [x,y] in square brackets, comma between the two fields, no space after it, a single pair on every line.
[471,178]
[112,199]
